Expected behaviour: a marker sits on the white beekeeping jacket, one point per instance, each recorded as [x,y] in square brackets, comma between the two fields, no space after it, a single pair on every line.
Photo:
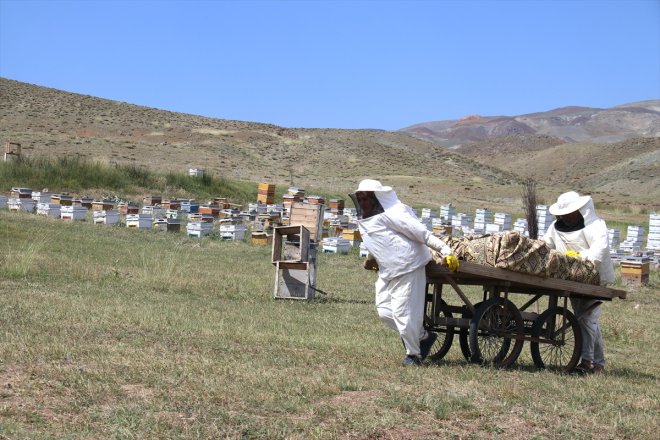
[397,239]
[591,242]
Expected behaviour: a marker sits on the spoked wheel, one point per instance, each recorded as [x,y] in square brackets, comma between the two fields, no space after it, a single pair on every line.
[463,333]
[445,335]
[492,333]
[561,340]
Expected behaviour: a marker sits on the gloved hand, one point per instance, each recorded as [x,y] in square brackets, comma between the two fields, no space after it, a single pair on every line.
[452,263]
[573,254]
[370,263]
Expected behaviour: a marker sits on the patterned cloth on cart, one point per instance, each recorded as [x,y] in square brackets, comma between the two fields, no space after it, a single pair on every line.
[512,251]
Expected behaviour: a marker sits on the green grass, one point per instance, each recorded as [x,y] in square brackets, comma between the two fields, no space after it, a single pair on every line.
[127,182]
[109,332]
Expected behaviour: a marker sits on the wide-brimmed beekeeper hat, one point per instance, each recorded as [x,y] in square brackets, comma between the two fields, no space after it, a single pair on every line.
[568,202]
[372,185]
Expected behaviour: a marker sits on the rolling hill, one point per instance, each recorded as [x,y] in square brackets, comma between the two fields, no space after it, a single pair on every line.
[49,122]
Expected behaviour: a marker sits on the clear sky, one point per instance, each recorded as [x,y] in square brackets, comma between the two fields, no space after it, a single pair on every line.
[339,64]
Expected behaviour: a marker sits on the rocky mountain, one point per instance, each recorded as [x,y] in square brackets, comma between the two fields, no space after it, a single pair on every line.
[568,124]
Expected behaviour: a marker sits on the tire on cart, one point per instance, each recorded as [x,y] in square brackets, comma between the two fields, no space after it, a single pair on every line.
[561,343]
[445,338]
[463,333]
[492,333]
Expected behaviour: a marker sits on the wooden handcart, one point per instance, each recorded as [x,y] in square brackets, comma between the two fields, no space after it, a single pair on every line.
[494,330]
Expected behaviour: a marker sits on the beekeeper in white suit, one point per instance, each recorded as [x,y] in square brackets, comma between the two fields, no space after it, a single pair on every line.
[580,233]
[399,243]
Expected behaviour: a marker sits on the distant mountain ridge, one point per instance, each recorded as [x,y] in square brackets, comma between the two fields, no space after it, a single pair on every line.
[486,173]
[568,124]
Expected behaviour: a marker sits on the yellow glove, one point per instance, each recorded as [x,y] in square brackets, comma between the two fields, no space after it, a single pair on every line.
[452,263]
[573,254]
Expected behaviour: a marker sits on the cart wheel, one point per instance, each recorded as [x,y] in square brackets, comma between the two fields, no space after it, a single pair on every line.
[463,333]
[563,340]
[442,345]
[491,331]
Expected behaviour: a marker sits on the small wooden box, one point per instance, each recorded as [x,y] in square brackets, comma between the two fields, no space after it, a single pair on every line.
[292,249]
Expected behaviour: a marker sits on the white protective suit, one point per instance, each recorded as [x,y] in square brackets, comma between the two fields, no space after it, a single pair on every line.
[400,244]
[593,245]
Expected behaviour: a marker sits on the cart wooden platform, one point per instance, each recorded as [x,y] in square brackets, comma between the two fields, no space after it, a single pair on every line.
[494,330]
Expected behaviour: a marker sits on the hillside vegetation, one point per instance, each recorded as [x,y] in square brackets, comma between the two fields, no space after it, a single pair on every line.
[53,123]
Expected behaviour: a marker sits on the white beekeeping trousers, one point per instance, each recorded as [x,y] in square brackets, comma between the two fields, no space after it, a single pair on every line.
[593,346]
[400,304]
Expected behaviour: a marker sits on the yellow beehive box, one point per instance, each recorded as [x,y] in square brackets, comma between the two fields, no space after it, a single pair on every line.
[261,238]
[635,272]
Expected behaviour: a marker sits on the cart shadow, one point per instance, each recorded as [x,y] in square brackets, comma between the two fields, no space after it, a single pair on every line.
[531,368]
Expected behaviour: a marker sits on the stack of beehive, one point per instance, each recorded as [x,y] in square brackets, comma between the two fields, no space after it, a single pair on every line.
[520,226]
[447,212]
[481,219]
[461,222]
[653,243]
[633,241]
[266,193]
[504,220]
[336,206]
[293,195]
[544,218]
[613,238]
[20,199]
[428,213]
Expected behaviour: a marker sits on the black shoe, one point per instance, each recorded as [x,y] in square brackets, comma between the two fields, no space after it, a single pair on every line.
[584,368]
[425,345]
[412,359]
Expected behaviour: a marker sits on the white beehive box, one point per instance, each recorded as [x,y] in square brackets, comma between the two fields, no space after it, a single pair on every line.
[41,197]
[199,229]
[232,232]
[106,217]
[20,204]
[492,228]
[3,201]
[73,213]
[49,209]
[156,212]
[336,245]
[613,238]
[428,213]
[139,221]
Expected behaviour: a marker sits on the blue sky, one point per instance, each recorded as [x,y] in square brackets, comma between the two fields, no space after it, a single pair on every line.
[339,64]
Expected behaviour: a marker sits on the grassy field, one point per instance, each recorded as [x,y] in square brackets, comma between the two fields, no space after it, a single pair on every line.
[109,332]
